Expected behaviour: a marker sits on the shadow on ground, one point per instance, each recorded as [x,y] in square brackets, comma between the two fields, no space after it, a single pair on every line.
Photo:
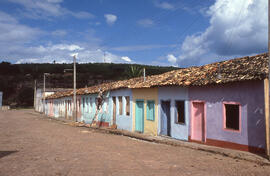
[6,153]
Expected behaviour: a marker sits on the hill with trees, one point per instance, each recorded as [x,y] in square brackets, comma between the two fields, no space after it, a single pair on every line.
[17,81]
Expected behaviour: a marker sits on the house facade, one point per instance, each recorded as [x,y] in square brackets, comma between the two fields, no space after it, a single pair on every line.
[145,111]
[220,104]
[120,107]
[173,110]
[229,115]
[90,112]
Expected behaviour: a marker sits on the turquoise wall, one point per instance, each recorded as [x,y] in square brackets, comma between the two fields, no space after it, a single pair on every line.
[89,108]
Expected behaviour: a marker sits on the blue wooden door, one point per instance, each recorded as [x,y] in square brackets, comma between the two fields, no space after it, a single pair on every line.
[165,118]
[139,117]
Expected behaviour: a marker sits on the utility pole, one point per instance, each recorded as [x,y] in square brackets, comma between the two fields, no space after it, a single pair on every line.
[74,91]
[144,74]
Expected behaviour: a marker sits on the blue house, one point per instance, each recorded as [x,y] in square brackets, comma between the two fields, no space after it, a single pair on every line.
[120,108]
[174,112]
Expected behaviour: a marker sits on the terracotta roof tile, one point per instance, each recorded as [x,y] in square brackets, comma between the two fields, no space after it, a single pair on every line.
[239,69]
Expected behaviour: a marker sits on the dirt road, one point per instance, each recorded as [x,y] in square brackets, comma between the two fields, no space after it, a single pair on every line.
[32,145]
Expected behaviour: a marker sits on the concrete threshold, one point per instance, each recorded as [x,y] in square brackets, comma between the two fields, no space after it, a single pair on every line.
[235,154]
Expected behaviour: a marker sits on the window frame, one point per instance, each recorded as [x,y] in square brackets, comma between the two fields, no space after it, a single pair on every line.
[120,107]
[147,110]
[176,112]
[225,118]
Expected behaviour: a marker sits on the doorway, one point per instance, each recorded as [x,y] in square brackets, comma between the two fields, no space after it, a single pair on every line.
[165,118]
[114,110]
[198,122]
[139,116]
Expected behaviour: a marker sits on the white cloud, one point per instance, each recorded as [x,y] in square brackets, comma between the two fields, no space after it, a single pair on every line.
[145,22]
[71,47]
[82,15]
[47,8]
[141,47]
[47,54]
[172,59]
[125,58]
[110,18]
[164,5]
[74,54]
[236,28]
[17,45]
[13,32]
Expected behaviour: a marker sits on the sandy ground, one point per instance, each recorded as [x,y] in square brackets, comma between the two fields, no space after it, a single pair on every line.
[32,145]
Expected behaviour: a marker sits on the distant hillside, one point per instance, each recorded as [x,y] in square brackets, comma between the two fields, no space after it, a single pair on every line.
[17,80]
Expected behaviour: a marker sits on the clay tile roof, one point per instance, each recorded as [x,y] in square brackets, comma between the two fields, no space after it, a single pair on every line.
[239,69]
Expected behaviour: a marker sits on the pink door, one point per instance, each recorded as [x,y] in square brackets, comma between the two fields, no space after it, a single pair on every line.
[197,122]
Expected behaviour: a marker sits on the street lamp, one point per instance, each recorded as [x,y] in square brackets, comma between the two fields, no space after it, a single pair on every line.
[44,88]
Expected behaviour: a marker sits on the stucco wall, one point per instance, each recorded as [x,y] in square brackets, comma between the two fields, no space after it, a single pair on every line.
[39,103]
[150,127]
[88,112]
[68,111]
[250,95]
[178,131]
[122,121]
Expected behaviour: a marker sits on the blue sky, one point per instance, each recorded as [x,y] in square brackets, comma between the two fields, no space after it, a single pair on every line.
[155,32]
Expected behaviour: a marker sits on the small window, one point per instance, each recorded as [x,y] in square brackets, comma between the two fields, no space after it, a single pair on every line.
[150,110]
[120,105]
[127,106]
[180,111]
[232,116]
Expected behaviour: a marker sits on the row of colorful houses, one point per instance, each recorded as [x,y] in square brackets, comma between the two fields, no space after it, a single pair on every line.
[220,104]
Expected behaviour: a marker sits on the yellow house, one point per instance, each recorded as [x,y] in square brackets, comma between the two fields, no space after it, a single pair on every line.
[145,110]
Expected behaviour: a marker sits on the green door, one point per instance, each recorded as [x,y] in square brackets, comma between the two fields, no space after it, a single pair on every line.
[139,117]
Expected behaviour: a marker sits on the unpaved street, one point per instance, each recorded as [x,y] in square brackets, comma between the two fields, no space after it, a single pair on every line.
[32,145]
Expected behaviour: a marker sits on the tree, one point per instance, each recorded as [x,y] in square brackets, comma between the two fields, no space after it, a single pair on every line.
[134,71]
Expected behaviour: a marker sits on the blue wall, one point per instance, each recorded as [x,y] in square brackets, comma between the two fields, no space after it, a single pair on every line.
[123,121]
[178,131]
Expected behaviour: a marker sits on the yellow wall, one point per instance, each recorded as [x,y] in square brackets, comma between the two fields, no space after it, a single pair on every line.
[150,127]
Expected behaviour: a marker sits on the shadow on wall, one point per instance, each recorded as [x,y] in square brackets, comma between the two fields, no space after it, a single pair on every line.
[256,120]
